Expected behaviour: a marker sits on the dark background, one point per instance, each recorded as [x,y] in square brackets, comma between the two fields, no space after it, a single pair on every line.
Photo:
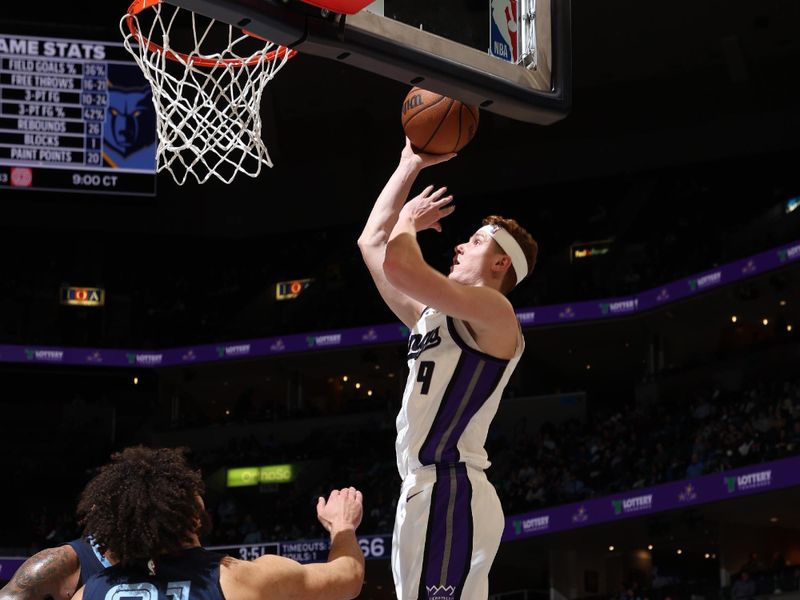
[681,146]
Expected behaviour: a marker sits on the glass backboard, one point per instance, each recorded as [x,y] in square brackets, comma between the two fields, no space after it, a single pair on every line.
[510,57]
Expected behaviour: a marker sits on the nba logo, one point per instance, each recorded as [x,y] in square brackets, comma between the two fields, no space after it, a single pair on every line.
[503,16]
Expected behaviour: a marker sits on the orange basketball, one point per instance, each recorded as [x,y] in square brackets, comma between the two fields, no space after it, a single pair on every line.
[437,124]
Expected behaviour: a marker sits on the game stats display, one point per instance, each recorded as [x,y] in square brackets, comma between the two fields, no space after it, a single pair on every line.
[76,116]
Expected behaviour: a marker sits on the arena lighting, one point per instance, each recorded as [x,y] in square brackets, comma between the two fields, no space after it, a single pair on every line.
[773,519]
[782,302]
[765,321]
[345,378]
[789,328]
[792,204]
[734,318]
[135,381]
[611,548]
[707,555]
[588,367]
[358,386]
[649,546]
[369,392]
[680,551]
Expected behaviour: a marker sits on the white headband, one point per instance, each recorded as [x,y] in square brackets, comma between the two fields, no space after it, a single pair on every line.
[511,247]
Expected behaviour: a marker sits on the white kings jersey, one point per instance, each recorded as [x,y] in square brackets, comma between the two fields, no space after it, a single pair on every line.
[452,394]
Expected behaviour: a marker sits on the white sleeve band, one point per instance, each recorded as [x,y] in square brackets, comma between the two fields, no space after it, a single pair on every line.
[511,247]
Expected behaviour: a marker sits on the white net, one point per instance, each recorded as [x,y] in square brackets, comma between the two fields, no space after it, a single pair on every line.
[207,100]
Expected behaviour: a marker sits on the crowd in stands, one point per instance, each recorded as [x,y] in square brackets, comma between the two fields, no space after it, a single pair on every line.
[763,577]
[756,578]
[640,446]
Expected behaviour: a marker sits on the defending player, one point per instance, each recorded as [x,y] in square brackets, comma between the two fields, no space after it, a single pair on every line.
[145,510]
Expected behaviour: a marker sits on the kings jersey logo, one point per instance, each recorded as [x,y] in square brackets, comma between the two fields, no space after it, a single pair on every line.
[418,343]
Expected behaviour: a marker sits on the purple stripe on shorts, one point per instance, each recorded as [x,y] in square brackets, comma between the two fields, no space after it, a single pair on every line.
[448,547]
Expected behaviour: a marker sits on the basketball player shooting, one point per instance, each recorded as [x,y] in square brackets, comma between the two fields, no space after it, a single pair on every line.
[465,342]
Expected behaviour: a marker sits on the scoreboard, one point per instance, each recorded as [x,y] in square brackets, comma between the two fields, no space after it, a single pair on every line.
[76,116]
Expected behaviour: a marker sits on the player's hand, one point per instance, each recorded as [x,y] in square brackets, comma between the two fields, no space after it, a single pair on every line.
[427,209]
[423,159]
[343,510]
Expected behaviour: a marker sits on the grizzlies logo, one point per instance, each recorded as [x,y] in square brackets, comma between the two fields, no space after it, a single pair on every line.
[129,130]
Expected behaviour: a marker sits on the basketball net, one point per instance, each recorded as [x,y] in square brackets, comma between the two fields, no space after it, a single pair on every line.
[208,98]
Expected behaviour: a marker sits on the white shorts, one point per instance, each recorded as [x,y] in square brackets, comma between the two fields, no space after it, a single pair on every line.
[439,552]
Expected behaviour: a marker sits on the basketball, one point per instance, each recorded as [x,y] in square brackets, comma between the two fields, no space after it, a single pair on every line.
[437,124]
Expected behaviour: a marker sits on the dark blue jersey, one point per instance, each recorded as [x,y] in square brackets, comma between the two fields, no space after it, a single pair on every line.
[91,561]
[193,574]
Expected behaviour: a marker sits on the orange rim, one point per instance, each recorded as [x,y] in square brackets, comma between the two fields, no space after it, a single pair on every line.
[137,6]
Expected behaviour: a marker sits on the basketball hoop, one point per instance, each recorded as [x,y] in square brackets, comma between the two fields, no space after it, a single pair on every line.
[207,79]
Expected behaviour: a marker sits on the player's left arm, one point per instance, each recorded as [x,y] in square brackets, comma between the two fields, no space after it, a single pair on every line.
[51,573]
[482,307]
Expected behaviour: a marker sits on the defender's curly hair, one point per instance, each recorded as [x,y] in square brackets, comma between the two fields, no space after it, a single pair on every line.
[143,504]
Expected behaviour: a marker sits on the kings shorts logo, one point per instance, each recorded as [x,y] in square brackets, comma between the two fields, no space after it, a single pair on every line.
[440,592]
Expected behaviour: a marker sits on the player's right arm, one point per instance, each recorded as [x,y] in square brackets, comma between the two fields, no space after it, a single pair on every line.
[340,578]
[51,573]
[381,221]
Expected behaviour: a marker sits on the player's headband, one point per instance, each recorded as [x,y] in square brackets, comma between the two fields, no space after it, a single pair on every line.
[511,247]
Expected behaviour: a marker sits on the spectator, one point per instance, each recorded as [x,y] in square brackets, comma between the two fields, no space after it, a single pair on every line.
[696,467]
[744,587]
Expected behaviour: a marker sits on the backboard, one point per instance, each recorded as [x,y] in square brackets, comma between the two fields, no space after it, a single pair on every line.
[510,57]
